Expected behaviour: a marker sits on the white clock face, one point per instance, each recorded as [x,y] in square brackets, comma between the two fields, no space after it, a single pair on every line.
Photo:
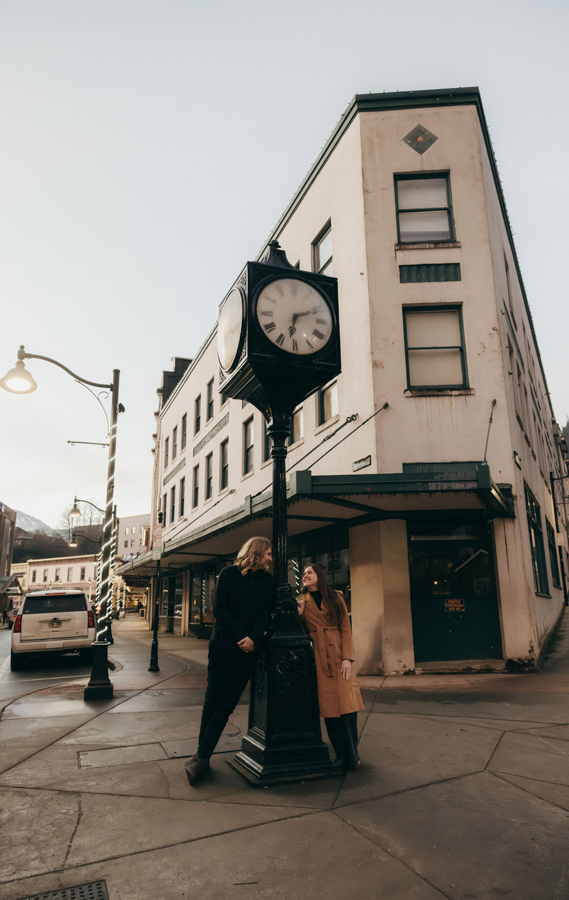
[229,329]
[294,316]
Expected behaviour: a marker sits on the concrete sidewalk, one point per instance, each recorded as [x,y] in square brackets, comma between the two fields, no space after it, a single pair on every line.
[463,791]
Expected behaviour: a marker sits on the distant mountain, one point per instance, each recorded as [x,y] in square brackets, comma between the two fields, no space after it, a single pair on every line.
[31,524]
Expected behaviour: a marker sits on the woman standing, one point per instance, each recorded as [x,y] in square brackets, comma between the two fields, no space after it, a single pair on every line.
[326,619]
[242,605]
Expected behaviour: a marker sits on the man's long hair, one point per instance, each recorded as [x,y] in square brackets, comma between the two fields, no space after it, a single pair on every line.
[250,557]
[330,599]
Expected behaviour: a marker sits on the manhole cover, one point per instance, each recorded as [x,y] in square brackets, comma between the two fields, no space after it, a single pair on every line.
[66,689]
[93,890]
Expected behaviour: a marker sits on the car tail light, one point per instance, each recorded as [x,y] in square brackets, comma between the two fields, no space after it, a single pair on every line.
[91,619]
[18,624]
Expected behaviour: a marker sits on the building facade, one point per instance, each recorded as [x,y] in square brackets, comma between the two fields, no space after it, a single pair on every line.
[68,573]
[427,479]
[7,530]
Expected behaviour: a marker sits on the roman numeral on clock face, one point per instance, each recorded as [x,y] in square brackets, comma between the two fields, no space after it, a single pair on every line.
[280,339]
[318,334]
[295,346]
[270,326]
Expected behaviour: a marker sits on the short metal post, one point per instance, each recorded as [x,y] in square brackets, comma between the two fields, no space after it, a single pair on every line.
[153,667]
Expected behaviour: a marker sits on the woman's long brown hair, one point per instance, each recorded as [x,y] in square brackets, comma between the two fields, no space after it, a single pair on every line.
[329,596]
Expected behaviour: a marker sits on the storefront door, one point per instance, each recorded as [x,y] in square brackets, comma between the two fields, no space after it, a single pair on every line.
[453,593]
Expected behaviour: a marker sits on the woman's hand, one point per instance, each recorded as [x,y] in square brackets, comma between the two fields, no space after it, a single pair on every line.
[301,603]
[246,644]
[347,669]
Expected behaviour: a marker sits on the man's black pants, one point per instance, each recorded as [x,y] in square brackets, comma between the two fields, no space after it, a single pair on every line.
[228,672]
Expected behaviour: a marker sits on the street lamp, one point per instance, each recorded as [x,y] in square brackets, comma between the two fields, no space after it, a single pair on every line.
[19,381]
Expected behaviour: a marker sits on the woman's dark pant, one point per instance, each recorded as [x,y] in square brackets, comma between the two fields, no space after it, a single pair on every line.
[343,734]
[228,672]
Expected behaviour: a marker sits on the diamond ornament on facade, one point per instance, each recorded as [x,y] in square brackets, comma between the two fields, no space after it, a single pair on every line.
[420,139]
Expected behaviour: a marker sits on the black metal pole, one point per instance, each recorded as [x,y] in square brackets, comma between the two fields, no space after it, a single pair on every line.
[284,741]
[153,667]
[100,686]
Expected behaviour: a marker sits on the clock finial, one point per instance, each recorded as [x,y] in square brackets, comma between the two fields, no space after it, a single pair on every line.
[275,256]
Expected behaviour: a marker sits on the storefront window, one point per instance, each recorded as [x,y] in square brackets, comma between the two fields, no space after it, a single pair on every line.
[178,590]
[330,551]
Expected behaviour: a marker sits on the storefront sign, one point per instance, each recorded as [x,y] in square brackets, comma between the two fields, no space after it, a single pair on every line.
[361,463]
[560,542]
[454,604]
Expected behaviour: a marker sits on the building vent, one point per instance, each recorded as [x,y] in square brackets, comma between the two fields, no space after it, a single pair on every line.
[429,272]
[420,139]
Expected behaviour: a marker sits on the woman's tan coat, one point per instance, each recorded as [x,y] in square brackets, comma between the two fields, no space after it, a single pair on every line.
[332,644]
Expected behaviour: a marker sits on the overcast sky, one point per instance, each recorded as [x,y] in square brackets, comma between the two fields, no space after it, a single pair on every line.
[147,148]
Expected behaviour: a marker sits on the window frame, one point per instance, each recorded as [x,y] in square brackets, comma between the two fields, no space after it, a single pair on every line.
[267,444]
[210,405]
[69,574]
[248,450]
[553,553]
[197,414]
[172,503]
[196,486]
[182,496]
[174,443]
[166,452]
[299,411]
[320,402]
[82,573]
[184,432]
[423,176]
[535,529]
[437,308]
[208,477]
[315,251]
[224,465]
[165,508]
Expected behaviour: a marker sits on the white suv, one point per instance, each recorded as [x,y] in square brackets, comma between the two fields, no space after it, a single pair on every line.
[52,622]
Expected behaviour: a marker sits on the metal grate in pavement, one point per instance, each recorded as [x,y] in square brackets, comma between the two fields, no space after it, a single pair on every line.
[93,890]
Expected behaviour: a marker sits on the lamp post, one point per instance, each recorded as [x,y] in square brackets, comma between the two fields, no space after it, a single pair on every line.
[278,340]
[19,381]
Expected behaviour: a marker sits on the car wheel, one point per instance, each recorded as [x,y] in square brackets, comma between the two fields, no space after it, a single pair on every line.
[16,662]
[86,656]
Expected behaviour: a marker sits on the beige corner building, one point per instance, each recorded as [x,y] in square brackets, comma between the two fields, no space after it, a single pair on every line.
[427,479]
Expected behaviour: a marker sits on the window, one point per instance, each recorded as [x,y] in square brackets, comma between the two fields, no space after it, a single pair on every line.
[132,542]
[174,444]
[297,426]
[224,465]
[127,531]
[267,442]
[322,252]
[34,575]
[172,505]
[248,441]
[509,287]
[196,487]
[133,529]
[70,574]
[165,509]
[327,403]
[57,575]
[210,400]
[184,431]
[166,452]
[182,497]
[82,571]
[536,542]
[45,575]
[126,544]
[197,413]
[434,347]
[553,558]
[208,476]
[424,212]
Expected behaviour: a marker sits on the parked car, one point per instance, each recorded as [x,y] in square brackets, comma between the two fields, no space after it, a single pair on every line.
[12,613]
[52,622]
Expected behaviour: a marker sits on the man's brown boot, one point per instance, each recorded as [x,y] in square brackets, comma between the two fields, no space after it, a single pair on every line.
[195,768]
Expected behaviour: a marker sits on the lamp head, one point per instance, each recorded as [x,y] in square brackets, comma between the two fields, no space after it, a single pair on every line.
[18,380]
[75,512]
[73,541]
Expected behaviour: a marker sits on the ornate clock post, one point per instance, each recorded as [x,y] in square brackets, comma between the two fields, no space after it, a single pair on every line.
[278,341]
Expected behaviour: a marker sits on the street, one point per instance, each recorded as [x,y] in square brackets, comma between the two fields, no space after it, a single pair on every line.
[463,790]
